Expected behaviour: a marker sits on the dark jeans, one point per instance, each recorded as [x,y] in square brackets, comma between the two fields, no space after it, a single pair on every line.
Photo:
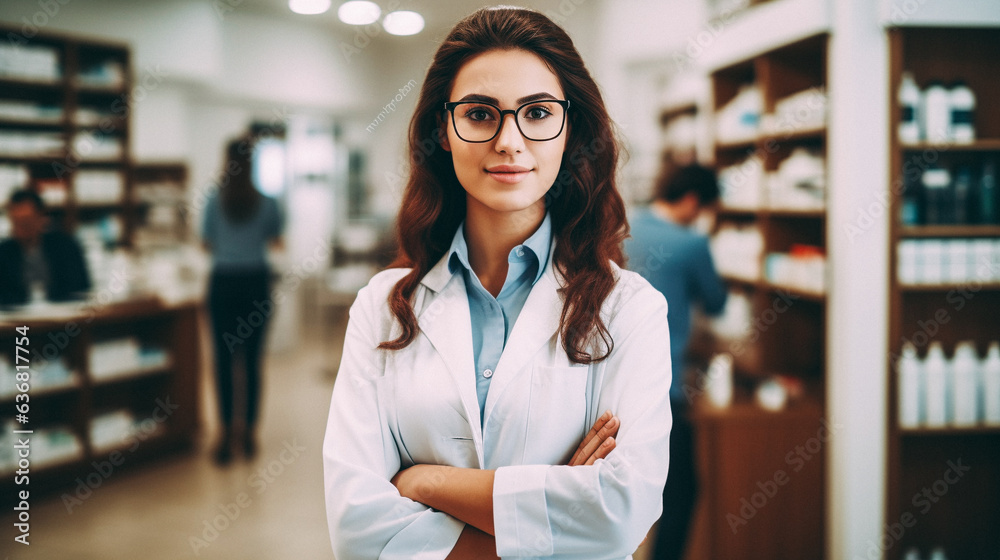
[681,488]
[239,305]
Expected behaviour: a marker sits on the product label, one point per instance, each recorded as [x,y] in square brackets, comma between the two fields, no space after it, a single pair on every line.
[908,114]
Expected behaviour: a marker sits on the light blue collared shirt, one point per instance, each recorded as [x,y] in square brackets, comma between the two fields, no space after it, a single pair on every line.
[494,318]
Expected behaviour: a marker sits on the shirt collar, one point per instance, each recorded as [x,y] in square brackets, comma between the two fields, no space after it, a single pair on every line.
[538,243]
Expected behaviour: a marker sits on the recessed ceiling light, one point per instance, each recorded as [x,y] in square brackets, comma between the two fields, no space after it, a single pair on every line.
[403,23]
[309,7]
[359,12]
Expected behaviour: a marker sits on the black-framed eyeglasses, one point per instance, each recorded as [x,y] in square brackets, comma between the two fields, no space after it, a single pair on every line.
[477,122]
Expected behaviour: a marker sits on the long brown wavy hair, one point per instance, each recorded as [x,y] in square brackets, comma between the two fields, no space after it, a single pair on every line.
[240,198]
[588,214]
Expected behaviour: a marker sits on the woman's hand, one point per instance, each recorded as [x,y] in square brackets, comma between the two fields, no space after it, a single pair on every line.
[598,442]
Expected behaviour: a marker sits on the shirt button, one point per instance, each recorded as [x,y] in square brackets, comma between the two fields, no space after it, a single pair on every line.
[488,373]
[520,251]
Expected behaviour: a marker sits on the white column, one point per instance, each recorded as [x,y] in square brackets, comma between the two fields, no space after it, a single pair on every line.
[857,312]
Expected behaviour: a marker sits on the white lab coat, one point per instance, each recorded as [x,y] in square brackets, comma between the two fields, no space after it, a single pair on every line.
[418,405]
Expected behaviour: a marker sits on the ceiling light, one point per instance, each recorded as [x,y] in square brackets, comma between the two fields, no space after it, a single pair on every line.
[403,23]
[309,7]
[359,12]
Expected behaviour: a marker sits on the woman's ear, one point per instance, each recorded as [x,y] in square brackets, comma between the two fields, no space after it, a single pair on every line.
[442,132]
[443,137]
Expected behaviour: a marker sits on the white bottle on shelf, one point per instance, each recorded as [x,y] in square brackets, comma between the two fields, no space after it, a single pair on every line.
[911,554]
[911,382]
[963,106]
[936,113]
[909,105]
[965,369]
[937,370]
[991,385]
[938,554]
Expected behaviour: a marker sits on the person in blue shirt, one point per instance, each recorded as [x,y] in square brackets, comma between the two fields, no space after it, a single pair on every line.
[677,262]
[239,224]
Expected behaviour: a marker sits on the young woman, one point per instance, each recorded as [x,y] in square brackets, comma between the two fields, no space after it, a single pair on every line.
[239,224]
[473,369]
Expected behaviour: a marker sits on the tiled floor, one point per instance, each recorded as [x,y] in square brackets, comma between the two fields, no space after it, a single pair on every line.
[161,511]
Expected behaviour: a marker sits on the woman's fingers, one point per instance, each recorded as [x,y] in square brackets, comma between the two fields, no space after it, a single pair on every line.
[579,457]
[590,448]
[602,451]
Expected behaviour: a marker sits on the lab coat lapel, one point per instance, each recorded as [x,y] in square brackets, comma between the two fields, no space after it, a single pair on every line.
[444,318]
[534,328]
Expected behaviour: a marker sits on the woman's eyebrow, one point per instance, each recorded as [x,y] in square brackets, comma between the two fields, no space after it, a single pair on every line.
[487,99]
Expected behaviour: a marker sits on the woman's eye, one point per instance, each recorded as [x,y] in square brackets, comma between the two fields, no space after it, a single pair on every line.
[537,113]
[478,114]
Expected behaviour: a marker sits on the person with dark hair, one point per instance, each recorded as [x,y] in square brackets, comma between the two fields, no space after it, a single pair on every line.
[239,223]
[677,262]
[504,385]
[37,261]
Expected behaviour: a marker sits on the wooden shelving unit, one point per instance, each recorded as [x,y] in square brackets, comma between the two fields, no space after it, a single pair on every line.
[743,445]
[92,127]
[919,457]
[162,400]
[159,196]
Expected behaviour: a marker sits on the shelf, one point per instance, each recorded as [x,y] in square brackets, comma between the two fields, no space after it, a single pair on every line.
[132,374]
[770,286]
[795,213]
[950,431]
[797,292]
[746,409]
[950,231]
[42,391]
[737,144]
[32,160]
[793,134]
[737,212]
[741,281]
[8,84]
[930,288]
[984,145]
[50,125]
[99,90]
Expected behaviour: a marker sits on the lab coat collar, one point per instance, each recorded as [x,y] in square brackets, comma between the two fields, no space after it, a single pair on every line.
[445,319]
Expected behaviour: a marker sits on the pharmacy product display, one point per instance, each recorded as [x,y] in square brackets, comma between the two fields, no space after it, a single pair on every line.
[950,193]
[948,261]
[65,129]
[944,292]
[937,114]
[937,392]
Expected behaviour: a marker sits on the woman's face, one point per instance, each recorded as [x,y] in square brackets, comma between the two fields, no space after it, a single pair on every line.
[508,173]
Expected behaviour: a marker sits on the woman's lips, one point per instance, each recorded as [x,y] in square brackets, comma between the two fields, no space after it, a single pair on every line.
[508,173]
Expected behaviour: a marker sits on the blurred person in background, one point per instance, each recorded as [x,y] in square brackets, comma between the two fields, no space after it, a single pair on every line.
[239,225]
[38,262]
[676,260]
